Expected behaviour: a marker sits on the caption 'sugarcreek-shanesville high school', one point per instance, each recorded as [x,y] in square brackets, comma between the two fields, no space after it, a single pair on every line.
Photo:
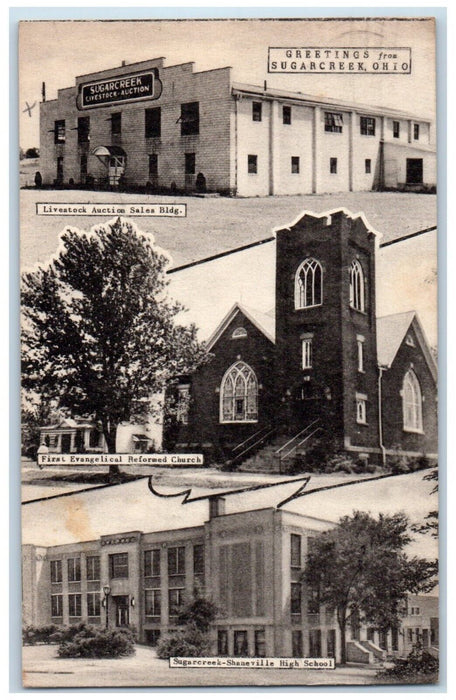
[153,126]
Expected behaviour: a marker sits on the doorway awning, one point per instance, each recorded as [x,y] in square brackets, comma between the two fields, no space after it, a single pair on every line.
[108,151]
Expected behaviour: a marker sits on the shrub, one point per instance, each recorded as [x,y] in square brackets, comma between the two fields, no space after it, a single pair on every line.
[99,644]
[189,641]
[419,667]
[38,635]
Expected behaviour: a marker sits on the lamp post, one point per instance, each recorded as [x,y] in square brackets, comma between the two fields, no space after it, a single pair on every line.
[107,591]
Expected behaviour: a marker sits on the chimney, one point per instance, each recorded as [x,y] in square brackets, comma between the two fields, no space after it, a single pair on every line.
[216,506]
[265,86]
[124,63]
[43,91]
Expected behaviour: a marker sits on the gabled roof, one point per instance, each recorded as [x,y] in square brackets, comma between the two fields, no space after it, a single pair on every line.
[265,323]
[391,331]
[70,423]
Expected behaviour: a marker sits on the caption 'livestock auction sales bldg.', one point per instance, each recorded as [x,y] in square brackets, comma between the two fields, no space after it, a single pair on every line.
[153,126]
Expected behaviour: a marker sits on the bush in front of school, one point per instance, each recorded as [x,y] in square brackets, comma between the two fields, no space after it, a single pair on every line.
[419,667]
[99,644]
[32,634]
[189,641]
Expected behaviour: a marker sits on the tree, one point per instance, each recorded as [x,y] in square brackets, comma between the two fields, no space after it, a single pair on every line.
[360,570]
[99,332]
[32,153]
[431,520]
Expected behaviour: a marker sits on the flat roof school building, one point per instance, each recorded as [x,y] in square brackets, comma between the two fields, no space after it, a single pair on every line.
[153,126]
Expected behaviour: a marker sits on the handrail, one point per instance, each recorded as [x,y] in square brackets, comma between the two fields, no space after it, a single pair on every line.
[267,427]
[295,437]
[295,447]
[262,438]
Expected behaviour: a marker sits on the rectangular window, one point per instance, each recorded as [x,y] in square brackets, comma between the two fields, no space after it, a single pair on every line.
[240,643]
[56,571]
[296,644]
[256,111]
[295,550]
[183,399]
[360,346]
[83,169]
[260,643]
[189,118]
[176,561]
[93,604]
[367,166]
[93,568]
[334,122]
[60,168]
[152,123]
[56,606]
[152,602]
[83,129]
[190,163]
[306,353]
[396,129]
[313,603]
[416,132]
[153,164]
[152,562]
[198,559]
[176,600]
[59,131]
[74,569]
[361,409]
[118,565]
[94,438]
[295,599]
[252,164]
[74,605]
[394,639]
[222,642]
[295,165]
[367,126]
[410,635]
[333,166]
[286,114]
[116,123]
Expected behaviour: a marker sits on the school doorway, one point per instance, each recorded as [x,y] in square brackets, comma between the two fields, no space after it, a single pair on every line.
[414,171]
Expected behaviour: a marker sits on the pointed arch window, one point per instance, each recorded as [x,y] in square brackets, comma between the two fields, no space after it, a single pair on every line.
[412,408]
[357,287]
[239,395]
[308,284]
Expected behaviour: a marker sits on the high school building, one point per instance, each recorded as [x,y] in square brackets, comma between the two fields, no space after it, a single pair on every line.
[248,563]
[155,126]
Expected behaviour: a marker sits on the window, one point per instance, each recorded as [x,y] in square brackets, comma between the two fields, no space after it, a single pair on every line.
[260,643]
[360,345]
[313,602]
[175,600]
[394,639]
[152,122]
[334,122]
[59,131]
[118,565]
[306,353]
[60,168]
[333,166]
[409,341]
[357,291]
[361,409]
[252,164]
[296,644]
[56,571]
[183,403]
[416,132]
[189,118]
[412,403]
[116,123]
[315,644]
[367,126]
[152,562]
[152,602]
[93,568]
[94,438]
[190,163]
[396,129]
[295,550]
[222,642]
[74,605]
[414,611]
[93,604]
[295,165]
[368,166]
[308,284]
[56,606]
[239,333]
[256,111]
[152,637]
[83,167]
[286,114]
[83,129]
[198,559]
[176,561]
[295,599]
[410,634]
[74,569]
[240,643]
[153,164]
[239,395]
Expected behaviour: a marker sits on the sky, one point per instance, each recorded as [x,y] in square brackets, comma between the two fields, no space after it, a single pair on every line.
[57,52]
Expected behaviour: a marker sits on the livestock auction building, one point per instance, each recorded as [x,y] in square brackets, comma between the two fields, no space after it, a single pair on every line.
[153,126]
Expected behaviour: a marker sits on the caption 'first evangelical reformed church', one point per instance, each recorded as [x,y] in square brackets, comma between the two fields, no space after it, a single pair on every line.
[153,126]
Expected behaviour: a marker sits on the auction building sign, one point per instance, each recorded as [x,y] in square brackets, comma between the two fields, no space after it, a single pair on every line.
[118,89]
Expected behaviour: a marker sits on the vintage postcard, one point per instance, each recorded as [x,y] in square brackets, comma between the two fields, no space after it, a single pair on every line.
[228,236]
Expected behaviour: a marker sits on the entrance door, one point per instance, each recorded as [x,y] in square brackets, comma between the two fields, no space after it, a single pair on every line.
[122,610]
[66,443]
[241,647]
[414,171]
[116,169]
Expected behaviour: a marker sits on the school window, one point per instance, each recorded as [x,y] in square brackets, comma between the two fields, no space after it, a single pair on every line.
[360,345]
[118,565]
[190,163]
[313,603]
[74,569]
[59,131]
[153,122]
[295,599]
[286,114]
[361,409]
[396,129]
[60,168]
[56,606]
[153,164]
[295,550]
[367,126]
[333,166]
[56,571]
[260,643]
[93,568]
[334,122]
[83,129]
[93,604]
[83,168]
[74,605]
[152,562]
[410,635]
[198,559]
[306,353]
[189,118]
[175,600]
[176,561]
[256,111]
[367,166]
[296,644]
[222,642]
[295,165]
[116,123]
[252,164]
[416,132]
[152,602]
